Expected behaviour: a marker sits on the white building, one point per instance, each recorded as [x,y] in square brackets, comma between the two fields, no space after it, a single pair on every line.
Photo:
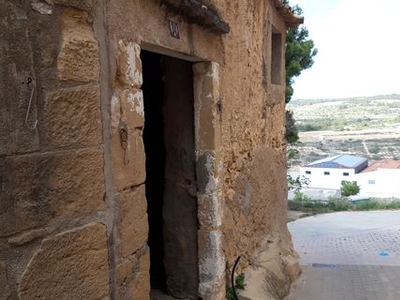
[381,179]
[328,173]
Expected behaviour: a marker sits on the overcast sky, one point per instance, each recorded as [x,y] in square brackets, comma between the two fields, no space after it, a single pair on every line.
[358,45]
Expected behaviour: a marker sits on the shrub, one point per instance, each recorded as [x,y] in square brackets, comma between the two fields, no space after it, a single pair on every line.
[296,183]
[349,188]
[339,204]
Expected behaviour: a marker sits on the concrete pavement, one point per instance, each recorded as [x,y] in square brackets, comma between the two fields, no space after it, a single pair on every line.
[348,256]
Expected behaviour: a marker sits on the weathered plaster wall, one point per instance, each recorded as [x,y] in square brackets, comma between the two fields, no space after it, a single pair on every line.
[254,162]
[251,148]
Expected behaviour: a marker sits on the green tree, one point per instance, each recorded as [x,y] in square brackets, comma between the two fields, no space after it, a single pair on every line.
[349,188]
[292,131]
[299,55]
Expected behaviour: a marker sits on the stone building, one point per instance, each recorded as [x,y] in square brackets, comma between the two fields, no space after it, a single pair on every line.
[142,148]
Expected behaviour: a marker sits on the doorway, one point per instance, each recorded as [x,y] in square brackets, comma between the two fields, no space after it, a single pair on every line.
[171,190]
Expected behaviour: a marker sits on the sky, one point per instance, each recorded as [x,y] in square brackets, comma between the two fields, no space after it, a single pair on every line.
[358,44]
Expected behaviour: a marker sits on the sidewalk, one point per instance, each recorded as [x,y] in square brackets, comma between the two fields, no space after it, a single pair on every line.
[348,256]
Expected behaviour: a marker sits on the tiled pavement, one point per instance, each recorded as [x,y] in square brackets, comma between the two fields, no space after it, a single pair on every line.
[348,256]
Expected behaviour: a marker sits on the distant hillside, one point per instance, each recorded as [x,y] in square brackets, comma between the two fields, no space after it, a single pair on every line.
[364,126]
[311,101]
[347,114]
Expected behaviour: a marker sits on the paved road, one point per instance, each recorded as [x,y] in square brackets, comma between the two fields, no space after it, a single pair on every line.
[348,256]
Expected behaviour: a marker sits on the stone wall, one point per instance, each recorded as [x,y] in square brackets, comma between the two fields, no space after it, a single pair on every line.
[73,209]
[53,238]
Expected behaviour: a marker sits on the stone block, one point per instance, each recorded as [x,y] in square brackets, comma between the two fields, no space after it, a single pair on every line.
[127,108]
[39,187]
[210,210]
[139,288]
[209,89]
[207,107]
[211,265]
[206,172]
[133,226]
[132,108]
[5,291]
[79,4]
[206,68]
[70,265]
[129,64]
[73,117]
[133,276]
[127,138]
[16,54]
[208,131]
[26,237]
[128,158]
[78,59]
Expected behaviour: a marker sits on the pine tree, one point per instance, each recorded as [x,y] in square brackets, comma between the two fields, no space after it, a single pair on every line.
[299,55]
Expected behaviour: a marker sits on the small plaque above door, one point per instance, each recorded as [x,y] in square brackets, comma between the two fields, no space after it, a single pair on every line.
[173,29]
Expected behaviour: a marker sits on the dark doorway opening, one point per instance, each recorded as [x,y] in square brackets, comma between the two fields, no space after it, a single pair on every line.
[170,174]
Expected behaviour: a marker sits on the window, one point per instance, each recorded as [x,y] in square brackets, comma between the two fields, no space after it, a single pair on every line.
[276,57]
[345,173]
[327,173]
[308,172]
[371,181]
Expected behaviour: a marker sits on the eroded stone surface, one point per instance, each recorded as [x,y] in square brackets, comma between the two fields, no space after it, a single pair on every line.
[80,4]
[129,64]
[26,237]
[211,265]
[72,117]
[210,210]
[5,291]
[15,92]
[272,276]
[39,187]
[70,265]
[207,105]
[127,121]
[128,159]
[133,227]
[78,59]
[42,189]
[132,108]
[133,276]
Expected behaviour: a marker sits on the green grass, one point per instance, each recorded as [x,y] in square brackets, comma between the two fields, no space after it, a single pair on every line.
[239,285]
[311,207]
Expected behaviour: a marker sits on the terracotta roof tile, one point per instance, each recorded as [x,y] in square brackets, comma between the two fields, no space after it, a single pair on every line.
[291,19]
[386,163]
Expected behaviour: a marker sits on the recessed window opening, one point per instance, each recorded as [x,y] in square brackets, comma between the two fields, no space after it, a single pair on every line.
[308,172]
[276,57]
[371,181]
[346,174]
[327,173]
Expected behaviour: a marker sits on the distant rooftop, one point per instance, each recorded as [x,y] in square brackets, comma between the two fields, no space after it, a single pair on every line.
[341,162]
[386,163]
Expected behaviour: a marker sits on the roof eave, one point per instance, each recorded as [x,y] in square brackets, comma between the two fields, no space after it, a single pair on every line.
[292,20]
